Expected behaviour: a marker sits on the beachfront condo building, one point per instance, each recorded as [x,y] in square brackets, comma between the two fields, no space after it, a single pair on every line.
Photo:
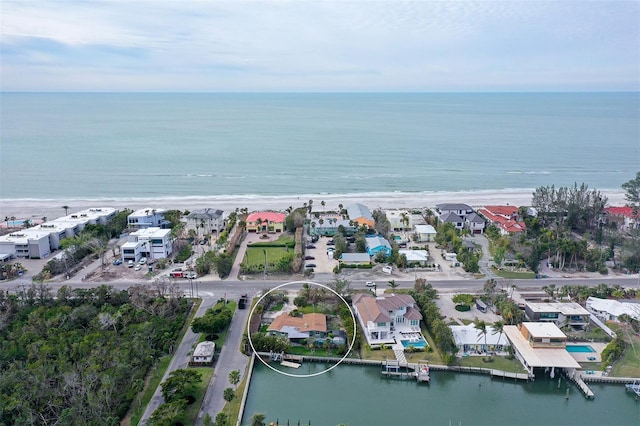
[206,220]
[147,218]
[152,243]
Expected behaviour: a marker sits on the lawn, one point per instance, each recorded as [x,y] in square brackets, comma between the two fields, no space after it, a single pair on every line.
[510,275]
[629,364]
[255,256]
[284,240]
[497,363]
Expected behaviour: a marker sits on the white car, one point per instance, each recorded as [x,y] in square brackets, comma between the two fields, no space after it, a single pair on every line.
[370,284]
[138,267]
[142,261]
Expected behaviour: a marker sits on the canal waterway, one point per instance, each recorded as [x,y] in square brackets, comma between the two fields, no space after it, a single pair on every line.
[358,395]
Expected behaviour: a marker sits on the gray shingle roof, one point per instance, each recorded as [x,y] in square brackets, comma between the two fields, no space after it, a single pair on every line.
[453,206]
[451,217]
[207,214]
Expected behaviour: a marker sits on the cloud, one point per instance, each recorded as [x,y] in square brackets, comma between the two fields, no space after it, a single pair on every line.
[319,45]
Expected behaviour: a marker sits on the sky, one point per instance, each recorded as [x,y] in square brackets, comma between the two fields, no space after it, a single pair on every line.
[319,46]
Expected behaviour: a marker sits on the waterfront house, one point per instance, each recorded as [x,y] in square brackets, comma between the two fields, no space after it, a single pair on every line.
[360,214]
[209,220]
[380,318]
[425,233]
[399,220]
[505,218]
[460,210]
[610,310]
[328,226]
[560,313]
[540,345]
[296,328]
[624,217]
[203,354]
[376,245]
[355,259]
[470,340]
[269,222]
[27,243]
[147,218]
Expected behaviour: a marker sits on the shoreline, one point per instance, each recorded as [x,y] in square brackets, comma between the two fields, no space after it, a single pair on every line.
[26,208]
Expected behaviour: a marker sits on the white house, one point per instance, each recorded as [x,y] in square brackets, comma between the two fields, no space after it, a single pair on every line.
[425,233]
[153,243]
[471,340]
[400,220]
[559,313]
[420,257]
[146,218]
[610,310]
[474,223]
[380,317]
[461,210]
[203,353]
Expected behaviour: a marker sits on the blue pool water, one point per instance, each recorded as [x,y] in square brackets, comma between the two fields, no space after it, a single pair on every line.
[580,348]
[16,223]
[419,344]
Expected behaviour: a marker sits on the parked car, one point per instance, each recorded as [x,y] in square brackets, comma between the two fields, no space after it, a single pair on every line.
[310,246]
[117,262]
[351,239]
[310,265]
[142,261]
[130,264]
[138,267]
[331,243]
[370,284]
[315,239]
[191,275]
[203,242]
[309,258]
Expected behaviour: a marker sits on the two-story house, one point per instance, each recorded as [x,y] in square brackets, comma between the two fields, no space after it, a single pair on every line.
[559,313]
[381,317]
[147,218]
[269,222]
[505,218]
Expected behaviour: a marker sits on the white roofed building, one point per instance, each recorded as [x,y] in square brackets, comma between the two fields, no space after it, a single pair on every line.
[610,310]
[146,218]
[470,340]
[153,243]
[425,233]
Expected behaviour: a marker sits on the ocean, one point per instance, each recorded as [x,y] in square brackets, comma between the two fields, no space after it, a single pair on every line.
[60,146]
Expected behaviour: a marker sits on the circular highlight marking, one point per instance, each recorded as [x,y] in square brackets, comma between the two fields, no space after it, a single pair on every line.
[298,376]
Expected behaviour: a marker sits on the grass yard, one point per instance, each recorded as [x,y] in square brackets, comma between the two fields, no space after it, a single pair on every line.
[629,364]
[284,239]
[254,256]
[497,363]
[510,275]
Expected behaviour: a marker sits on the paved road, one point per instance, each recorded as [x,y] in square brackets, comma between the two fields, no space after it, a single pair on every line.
[230,359]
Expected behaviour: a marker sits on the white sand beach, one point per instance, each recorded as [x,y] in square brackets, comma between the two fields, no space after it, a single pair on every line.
[38,208]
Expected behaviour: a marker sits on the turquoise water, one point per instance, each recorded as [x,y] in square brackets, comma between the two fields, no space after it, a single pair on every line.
[358,395]
[580,348]
[121,146]
[419,344]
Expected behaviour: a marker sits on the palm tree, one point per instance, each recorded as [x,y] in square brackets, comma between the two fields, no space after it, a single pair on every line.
[234,378]
[393,284]
[259,223]
[258,420]
[228,394]
[481,326]
[66,210]
[498,328]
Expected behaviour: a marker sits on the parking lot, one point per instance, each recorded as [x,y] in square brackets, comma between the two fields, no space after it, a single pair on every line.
[324,262]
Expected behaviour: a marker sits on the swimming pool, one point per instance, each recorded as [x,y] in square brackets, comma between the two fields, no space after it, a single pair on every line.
[416,344]
[580,348]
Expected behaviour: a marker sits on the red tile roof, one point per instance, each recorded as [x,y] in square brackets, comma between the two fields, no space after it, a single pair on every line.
[622,211]
[502,210]
[510,226]
[268,216]
[308,322]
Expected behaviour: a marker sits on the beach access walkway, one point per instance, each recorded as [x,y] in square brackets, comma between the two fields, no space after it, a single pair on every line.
[485,260]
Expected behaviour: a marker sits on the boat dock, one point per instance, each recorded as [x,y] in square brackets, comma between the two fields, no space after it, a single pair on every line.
[634,387]
[577,379]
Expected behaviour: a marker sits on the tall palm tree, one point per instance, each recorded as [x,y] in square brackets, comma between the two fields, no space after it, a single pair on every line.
[322,203]
[228,394]
[258,420]
[498,328]
[481,326]
[234,378]
[66,210]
